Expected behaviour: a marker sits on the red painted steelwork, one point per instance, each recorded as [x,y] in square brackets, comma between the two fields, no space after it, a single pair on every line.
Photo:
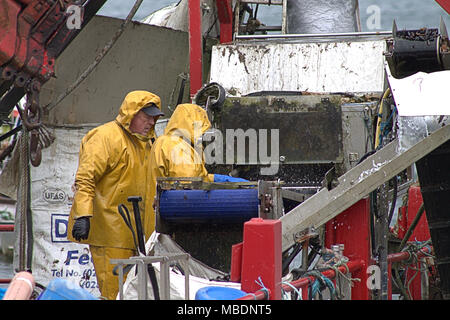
[6,227]
[195,47]
[415,285]
[261,256]
[225,13]
[353,267]
[352,229]
[405,255]
[421,232]
[445,4]
[236,262]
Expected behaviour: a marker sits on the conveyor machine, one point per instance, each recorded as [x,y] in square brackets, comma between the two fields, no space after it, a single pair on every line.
[206,218]
[181,201]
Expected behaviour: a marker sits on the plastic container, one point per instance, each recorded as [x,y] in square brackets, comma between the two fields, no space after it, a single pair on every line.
[219,293]
[2,293]
[62,289]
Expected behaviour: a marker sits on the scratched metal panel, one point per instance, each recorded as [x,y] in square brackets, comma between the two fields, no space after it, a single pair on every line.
[313,67]
[309,127]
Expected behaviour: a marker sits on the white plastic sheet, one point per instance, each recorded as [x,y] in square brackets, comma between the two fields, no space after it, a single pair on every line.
[422,94]
[51,200]
[200,275]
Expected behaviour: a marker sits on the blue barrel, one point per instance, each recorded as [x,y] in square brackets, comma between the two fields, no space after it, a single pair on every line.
[2,293]
[62,289]
[219,293]
[228,205]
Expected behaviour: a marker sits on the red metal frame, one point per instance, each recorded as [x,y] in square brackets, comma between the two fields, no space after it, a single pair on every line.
[405,255]
[236,262]
[354,267]
[303,283]
[8,34]
[421,232]
[28,31]
[261,257]
[195,47]
[408,212]
[445,4]
[352,229]
[225,14]
[415,284]
[6,227]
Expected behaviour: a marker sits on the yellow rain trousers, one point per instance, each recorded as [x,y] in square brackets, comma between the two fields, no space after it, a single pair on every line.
[177,153]
[113,165]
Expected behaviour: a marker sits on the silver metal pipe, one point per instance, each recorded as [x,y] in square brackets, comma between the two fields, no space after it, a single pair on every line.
[142,262]
[313,35]
[322,16]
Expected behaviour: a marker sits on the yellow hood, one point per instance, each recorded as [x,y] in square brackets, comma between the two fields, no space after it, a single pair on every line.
[133,102]
[188,120]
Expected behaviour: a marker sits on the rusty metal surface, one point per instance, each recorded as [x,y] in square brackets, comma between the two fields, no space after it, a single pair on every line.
[333,66]
[310,127]
[412,51]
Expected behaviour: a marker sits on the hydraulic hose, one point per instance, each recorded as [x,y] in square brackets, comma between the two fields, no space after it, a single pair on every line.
[380,112]
[412,226]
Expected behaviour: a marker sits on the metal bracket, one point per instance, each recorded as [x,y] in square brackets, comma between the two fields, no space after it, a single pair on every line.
[270,199]
[142,275]
[239,19]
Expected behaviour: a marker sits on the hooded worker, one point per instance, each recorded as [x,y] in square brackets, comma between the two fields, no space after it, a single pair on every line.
[113,165]
[178,152]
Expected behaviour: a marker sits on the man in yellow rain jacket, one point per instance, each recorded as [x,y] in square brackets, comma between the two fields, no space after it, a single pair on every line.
[113,165]
[178,153]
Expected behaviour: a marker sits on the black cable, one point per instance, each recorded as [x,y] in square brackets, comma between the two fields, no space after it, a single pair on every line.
[151,271]
[287,261]
[11,132]
[394,199]
[126,217]
[373,215]
[364,157]
[412,227]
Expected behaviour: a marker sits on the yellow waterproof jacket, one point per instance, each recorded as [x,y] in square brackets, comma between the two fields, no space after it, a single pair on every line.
[177,153]
[113,165]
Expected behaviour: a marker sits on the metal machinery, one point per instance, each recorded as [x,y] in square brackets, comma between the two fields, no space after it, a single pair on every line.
[319,97]
[197,212]
[338,166]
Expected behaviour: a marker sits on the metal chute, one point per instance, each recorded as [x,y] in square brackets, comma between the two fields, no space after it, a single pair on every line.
[421,50]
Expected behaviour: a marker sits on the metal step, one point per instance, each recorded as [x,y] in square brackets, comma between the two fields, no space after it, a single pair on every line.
[356,184]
